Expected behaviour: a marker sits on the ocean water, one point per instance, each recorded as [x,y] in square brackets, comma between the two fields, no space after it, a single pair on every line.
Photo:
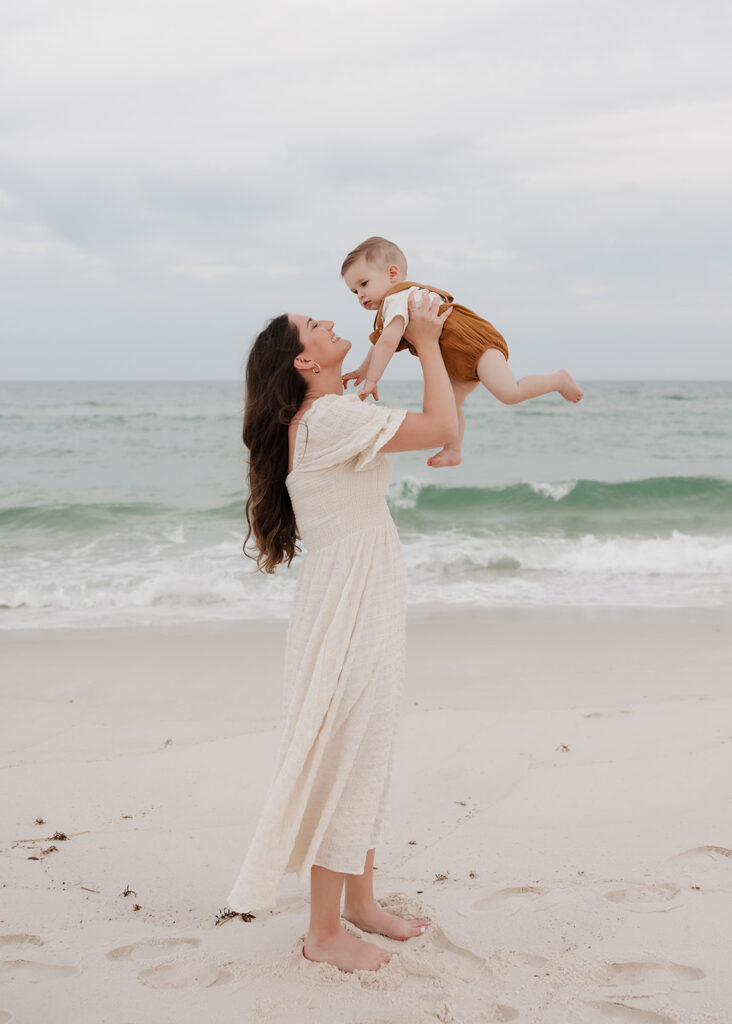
[122,504]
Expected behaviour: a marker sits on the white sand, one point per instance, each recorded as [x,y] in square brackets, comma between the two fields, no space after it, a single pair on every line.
[572,783]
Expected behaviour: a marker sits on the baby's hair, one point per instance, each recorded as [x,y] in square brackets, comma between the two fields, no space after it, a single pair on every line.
[376,250]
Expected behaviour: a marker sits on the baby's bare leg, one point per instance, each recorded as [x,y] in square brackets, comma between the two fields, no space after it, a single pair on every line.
[451,454]
[496,375]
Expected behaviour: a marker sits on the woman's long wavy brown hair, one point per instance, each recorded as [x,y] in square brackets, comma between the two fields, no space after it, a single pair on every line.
[274,393]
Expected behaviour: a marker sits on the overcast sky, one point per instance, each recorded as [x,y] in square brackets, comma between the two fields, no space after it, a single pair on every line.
[173,173]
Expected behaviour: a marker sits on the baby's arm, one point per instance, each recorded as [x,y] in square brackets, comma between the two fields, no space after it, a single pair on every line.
[381,353]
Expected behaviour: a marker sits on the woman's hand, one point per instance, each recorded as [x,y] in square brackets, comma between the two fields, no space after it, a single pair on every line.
[425,320]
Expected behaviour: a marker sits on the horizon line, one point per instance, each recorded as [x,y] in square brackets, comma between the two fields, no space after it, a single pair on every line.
[392,380]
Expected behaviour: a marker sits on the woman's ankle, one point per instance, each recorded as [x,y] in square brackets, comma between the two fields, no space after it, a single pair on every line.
[324,936]
[357,907]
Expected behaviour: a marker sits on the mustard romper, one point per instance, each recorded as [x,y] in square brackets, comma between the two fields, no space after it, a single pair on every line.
[465,335]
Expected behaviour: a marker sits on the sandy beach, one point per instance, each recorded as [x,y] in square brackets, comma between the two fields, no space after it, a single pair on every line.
[561,813]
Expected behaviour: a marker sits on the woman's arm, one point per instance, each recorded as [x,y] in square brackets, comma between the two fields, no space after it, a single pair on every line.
[437,424]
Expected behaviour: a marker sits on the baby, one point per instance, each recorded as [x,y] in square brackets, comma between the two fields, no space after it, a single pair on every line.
[473,350]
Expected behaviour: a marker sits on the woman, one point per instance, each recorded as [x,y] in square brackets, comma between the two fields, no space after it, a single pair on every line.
[318,472]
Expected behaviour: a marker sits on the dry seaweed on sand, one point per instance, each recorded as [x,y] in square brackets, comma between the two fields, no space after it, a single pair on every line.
[227,915]
[57,837]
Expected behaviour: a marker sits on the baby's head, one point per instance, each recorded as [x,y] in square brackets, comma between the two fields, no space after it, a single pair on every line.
[373,267]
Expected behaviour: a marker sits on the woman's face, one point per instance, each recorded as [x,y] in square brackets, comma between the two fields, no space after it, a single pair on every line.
[319,340]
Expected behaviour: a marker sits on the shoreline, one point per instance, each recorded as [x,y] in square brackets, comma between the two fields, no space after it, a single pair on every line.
[576,615]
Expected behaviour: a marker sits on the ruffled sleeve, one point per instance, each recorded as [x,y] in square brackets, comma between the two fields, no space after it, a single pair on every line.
[341,428]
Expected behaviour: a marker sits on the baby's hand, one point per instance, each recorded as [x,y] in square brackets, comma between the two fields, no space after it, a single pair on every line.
[355,375]
[370,387]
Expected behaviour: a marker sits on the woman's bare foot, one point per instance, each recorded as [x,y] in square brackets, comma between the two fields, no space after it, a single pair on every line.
[375,920]
[568,387]
[447,456]
[345,952]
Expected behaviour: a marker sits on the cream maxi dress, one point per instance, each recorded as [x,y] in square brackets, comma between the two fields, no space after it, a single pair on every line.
[344,663]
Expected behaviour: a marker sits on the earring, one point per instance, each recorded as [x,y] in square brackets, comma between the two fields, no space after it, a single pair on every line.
[316,367]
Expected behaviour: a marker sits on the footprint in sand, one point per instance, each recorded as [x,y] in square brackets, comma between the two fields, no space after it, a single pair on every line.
[608,714]
[705,853]
[628,1014]
[646,898]
[33,971]
[21,940]
[531,960]
[185,971]
[437,938]
[639,972]
[509,894]
[149,949]
[504,1013]
[404,906]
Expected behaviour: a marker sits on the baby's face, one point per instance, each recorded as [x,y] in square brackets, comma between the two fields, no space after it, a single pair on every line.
[369,282]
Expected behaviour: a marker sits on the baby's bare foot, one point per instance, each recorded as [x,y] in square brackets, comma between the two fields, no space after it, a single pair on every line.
[375,920]
[568,387]
[345,952]
[446,456]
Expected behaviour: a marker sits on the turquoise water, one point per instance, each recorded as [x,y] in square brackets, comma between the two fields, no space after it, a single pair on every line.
[122,504]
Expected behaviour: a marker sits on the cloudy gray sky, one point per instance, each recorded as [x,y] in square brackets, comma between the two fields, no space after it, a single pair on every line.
[173,173]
